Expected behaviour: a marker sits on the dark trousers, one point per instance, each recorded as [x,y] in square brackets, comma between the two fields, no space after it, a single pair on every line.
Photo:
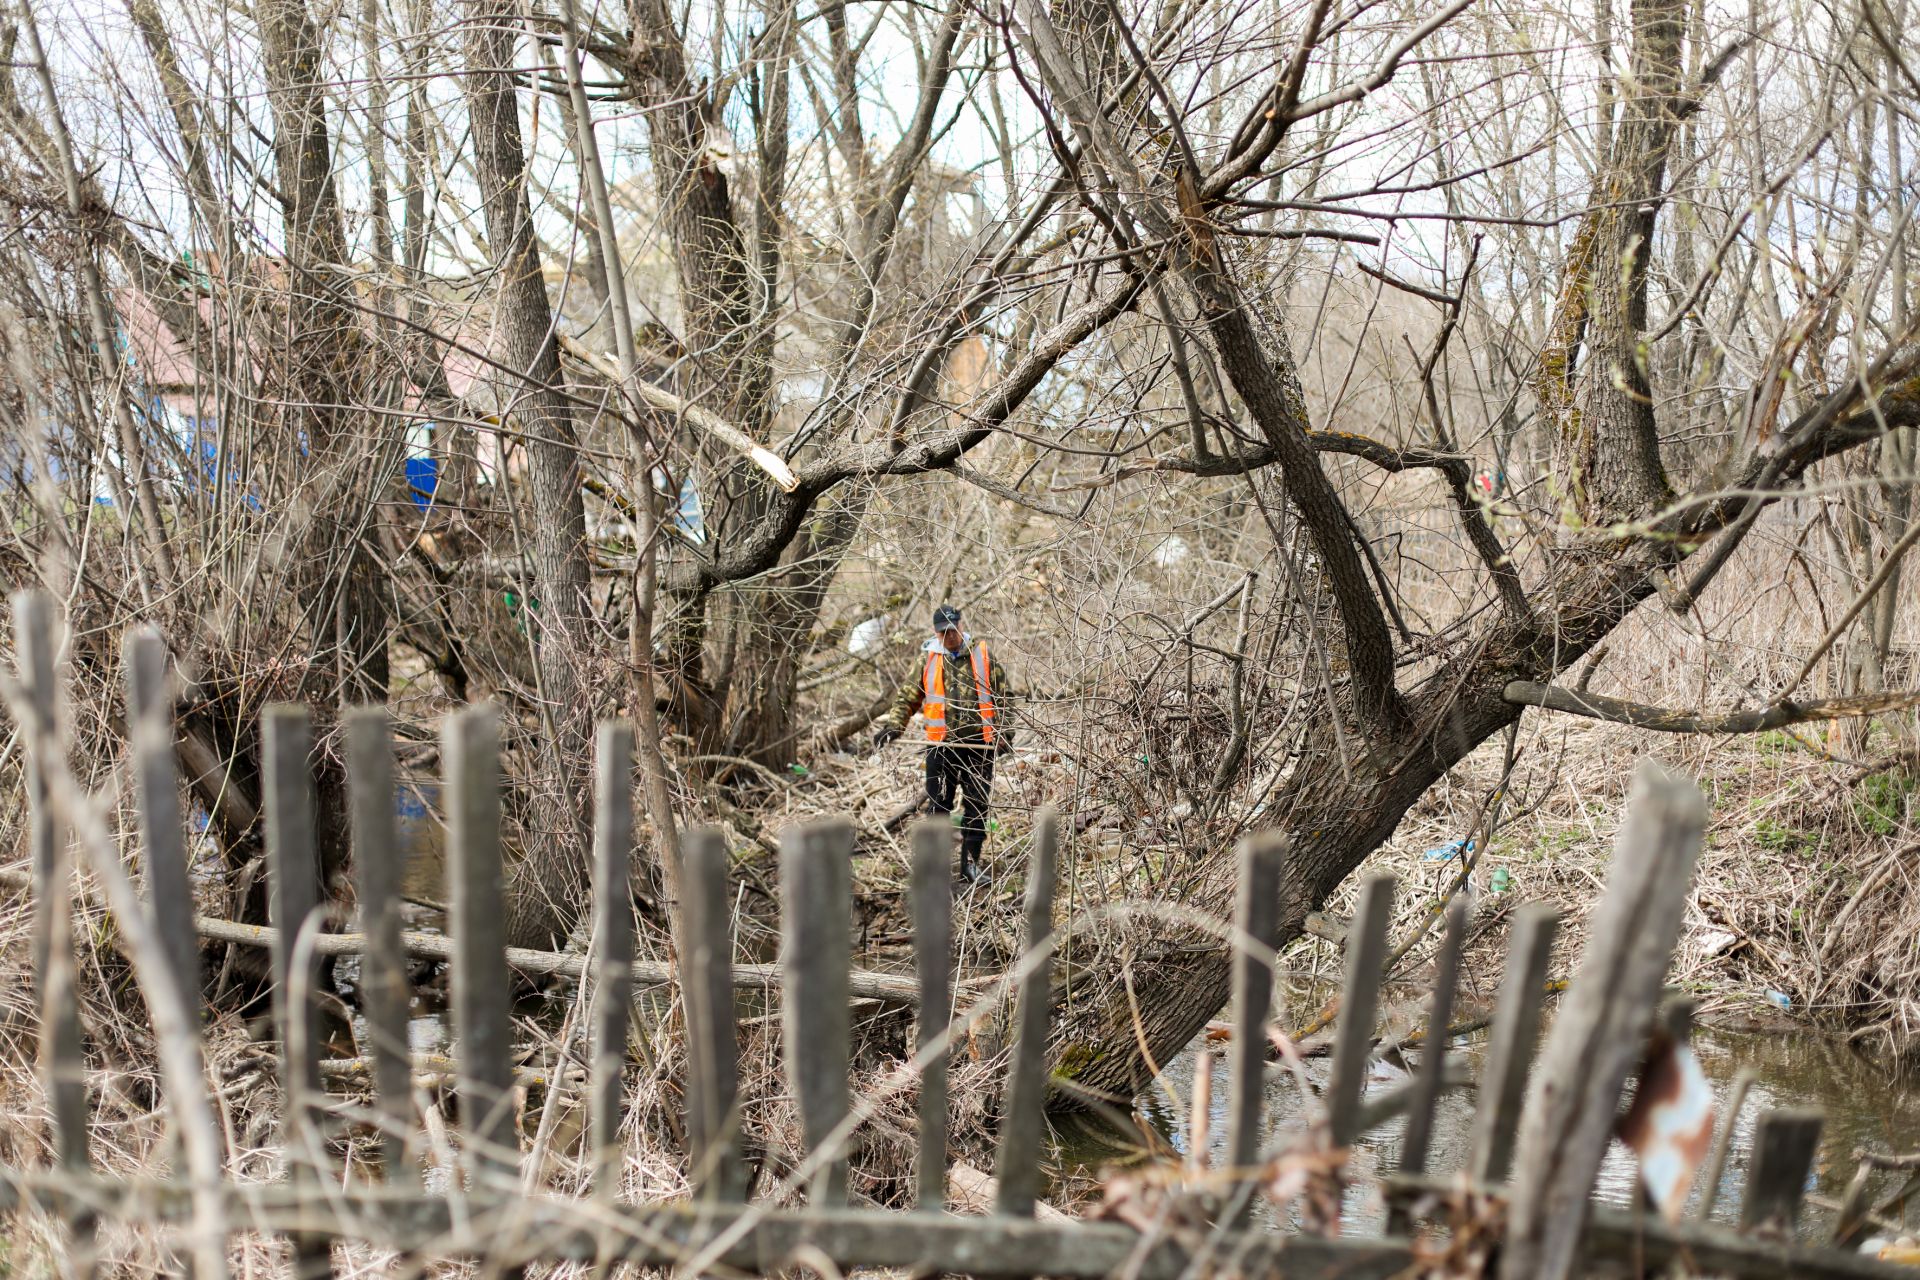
[968,771]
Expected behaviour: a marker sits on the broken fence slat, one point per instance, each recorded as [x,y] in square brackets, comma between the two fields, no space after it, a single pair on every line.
[1850,1224]
[816,877]
[470,748]
[1783,1149]
[383,968]
[1256,919]
[62,1057]
[1743,1082]
[612,994]
[713,1067]
[1600,1031]
[1431,1078]
[293,883]
[1359,1003]
[932,890]
[1023,1120]
[1516,1026]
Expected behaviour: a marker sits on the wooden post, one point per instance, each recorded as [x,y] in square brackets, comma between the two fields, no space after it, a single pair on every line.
[383,967]
[157,792]
[613,949]
[816,875]
[470,750]
[713,1046]
[1601,1030]
[1516,1026]
[1256,921]
[1359,1005]
[1433,1058]
[62,1054]
[932,890]
[1783,1148]
[1023,1117]
[294,896]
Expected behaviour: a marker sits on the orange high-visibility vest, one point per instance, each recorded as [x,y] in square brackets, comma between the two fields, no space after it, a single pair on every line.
[933,684]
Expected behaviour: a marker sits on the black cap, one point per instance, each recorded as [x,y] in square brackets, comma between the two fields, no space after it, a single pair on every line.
[945,616]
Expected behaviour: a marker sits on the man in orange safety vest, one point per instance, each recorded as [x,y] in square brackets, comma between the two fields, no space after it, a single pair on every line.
[959,689]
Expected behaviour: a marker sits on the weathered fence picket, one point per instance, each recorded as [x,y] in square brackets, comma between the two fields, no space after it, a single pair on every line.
[1256,919]
[1602,1024]
[157,799]
[1784,1144]
[1359,1006]
[1516,1026]
[931,888]
[293,888]
[62,1059]
[713,1070]
[1431,1077]
[482,1020]
[817,889]
[613,944]
[383,968]
[1022,1118]
[1597,1036]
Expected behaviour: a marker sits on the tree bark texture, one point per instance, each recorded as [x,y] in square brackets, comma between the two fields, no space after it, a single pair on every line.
[548,886]
[346,599]
[1337,810]
[1340,805]
[1608,443]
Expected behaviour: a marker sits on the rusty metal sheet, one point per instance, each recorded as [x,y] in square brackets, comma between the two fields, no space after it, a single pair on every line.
[1670,1125]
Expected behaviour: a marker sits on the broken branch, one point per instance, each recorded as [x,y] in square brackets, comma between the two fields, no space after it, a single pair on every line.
[1776,715]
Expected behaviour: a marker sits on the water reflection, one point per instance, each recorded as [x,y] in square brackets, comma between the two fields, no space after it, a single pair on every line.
[1864,1108]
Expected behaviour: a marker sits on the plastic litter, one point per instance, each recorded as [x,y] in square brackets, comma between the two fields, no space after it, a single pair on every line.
[1449,851]
[1779,999]
[867,636]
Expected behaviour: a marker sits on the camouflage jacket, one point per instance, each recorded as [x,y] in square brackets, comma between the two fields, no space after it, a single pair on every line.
[963,701]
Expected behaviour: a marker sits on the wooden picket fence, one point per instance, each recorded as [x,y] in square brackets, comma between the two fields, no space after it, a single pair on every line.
[1526,1186]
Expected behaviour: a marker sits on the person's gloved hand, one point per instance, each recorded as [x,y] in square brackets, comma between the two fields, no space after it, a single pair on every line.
[883,735]
[1003,742]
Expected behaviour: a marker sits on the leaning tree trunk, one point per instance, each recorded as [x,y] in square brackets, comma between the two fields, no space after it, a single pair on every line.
[1338,808]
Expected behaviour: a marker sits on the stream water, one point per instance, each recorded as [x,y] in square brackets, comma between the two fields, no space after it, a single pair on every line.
[1863,1108]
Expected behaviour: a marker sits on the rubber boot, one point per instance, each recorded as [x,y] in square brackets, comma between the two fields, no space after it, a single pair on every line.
[970,864]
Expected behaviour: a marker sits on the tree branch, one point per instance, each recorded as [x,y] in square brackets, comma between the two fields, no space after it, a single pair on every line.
[1266,378]
[1776,715]
[760,549]
[1390,458]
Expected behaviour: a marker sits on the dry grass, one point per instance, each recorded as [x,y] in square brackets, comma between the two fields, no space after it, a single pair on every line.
[1810,864]
[1807,885]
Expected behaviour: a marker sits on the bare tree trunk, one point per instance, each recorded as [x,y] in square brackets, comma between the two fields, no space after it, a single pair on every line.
[1609,449]
[346,599]
[653,762]
[1338,807]
[549,884]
